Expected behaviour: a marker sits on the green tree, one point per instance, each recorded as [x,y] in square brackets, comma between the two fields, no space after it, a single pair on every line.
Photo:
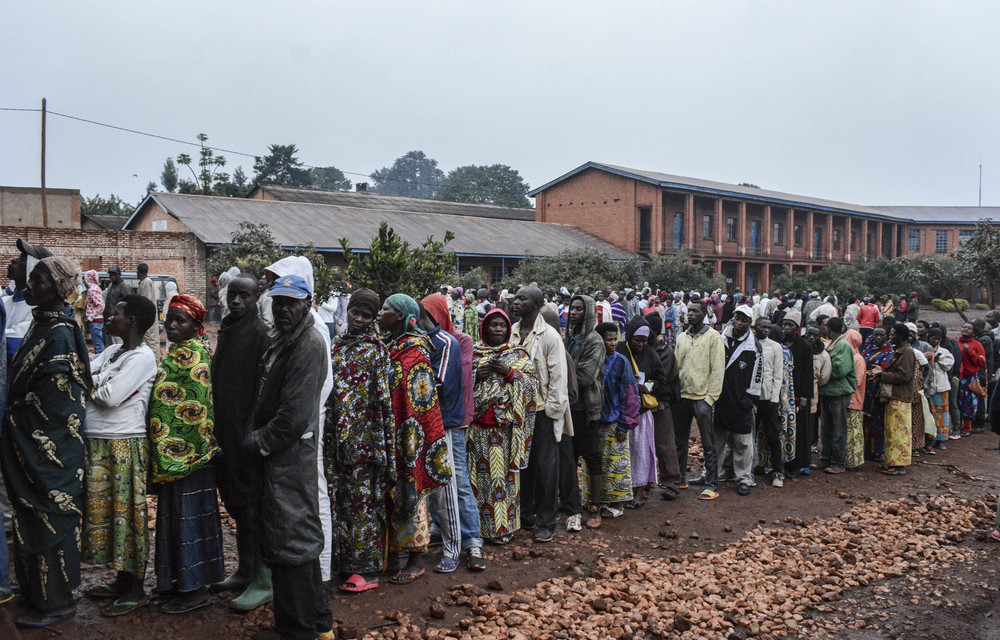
[150,187]
[940,276]
[329,178]
[980,258]
[280,166]
[110,206]
[678,272]
[393,266]
[168,177]
[472,279]
[251,249]
[494,184]
[412,174]
[326,279]
[209,165]
[571,268]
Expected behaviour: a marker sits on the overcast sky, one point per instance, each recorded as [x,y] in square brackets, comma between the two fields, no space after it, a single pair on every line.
[864,102]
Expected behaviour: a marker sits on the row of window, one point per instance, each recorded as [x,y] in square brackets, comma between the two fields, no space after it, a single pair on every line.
[778,235]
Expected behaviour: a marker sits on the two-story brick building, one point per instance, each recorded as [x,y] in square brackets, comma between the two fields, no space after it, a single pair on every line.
[747,234]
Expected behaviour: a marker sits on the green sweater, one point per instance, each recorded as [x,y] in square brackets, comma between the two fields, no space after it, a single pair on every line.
[843,376]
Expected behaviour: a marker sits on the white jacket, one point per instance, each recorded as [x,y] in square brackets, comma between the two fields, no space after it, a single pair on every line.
[547,353]
[774,364]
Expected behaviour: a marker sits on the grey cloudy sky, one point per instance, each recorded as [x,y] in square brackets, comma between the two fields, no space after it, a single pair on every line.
[866,102]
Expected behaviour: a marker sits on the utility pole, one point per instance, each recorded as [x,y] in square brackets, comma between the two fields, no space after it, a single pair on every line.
[45,207]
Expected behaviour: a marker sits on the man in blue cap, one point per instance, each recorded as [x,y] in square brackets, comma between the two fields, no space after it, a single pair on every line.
[283,434]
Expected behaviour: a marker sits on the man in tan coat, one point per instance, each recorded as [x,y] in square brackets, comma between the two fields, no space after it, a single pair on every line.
[147,289]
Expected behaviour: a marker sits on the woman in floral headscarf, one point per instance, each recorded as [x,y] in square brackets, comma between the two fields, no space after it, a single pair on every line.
[500,434]
[188,529]
[41,449]
[93,310]
[422,459]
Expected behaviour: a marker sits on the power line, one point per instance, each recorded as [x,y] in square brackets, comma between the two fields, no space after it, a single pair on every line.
[199,145]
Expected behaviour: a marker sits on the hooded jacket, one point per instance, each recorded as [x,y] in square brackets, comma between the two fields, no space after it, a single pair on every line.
[587,349]
[439,309]
[741,384]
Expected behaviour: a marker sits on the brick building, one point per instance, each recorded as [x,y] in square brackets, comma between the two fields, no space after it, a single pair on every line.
[95,245]
[747,234]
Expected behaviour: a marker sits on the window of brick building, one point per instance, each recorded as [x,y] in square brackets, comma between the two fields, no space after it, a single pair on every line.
[779,234]
[706,223]
[941,242]
[836,239]
[645,229]
[913,240]
[731,229]
[854,239]
[678,230]
[798,235]
[964,235]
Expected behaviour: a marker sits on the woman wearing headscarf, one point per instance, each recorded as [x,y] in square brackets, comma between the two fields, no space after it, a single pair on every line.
[93,310]
[937,385]
[499,436]
[715,304]
[877,353]
[41,449]
[898,373]
[652,381]
[422,460]
[855,430]
[359,447]
[618,314]
[973,359]
[470,317]
[181,431]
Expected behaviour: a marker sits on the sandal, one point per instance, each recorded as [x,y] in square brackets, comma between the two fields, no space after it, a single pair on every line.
[357,583]
[634,504]
[39,619]
[594,521]
[446,565]
[995,535]
[708,494]
[177,606]
[406,577]
[122,607]
[102,592]
[894,471]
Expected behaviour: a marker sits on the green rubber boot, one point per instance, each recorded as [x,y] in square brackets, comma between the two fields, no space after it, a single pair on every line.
[257,594]
[247,560]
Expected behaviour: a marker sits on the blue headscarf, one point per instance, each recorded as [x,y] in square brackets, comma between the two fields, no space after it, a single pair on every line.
[409,308]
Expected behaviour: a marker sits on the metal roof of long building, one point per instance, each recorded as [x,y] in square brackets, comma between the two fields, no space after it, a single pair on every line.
[920,215]
[368,200]
[213,220]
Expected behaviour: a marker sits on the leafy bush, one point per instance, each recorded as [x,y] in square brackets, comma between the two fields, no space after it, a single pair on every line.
[948,306]
[981,307]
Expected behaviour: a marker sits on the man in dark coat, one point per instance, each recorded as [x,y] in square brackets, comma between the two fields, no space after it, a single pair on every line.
[802,380]
[235,371]
[667,466]
[282,435]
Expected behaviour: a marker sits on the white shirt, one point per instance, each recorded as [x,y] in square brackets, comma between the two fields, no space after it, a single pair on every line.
[121,393]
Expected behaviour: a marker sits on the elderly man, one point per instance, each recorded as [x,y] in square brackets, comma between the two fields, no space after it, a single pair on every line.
[540,481]
[282,435]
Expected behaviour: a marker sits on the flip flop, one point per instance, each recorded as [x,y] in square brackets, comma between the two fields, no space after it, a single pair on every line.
[102,592]
[177,607]
[995,535]
[446,566]
[406,577]
[39,619]
[122,607]
[708,494]
[357,583]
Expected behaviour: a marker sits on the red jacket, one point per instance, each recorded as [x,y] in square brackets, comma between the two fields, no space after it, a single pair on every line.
[973,356]
[868,316]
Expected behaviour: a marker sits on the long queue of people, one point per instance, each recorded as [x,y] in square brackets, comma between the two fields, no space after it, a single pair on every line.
[344,455]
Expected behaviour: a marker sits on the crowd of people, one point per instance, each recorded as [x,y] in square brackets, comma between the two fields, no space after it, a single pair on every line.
[346,439]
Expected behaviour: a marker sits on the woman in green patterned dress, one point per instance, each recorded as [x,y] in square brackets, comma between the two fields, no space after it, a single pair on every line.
[188,529]
[42,451]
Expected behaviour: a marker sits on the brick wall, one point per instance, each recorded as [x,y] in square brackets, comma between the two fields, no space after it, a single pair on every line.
[181,255]
[598,202]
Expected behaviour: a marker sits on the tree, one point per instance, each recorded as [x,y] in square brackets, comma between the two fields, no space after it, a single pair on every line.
[749,184]
[940,276]
[150,187]
[571,268]
[413,174]
[677,272]
[980,258]
[495,184]
[168,177]
[209,165]
[329,178]
[393,266]
[472,279]
[281,167]
[251,249]
[110,206]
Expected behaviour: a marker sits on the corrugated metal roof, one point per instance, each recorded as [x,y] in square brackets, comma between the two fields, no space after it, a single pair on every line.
[724,189]
[944,215]
[364,200]
[213,220]
[107,221]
